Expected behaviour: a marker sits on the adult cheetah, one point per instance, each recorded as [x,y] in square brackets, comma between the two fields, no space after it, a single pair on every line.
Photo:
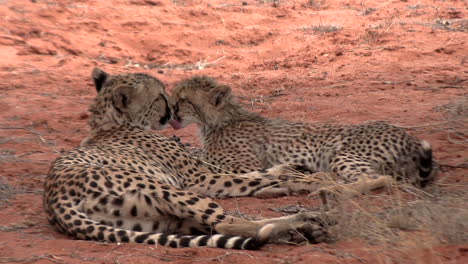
[127,184]
[366,156]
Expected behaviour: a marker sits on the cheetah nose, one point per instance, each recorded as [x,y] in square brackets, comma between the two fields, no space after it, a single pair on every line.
[175,124]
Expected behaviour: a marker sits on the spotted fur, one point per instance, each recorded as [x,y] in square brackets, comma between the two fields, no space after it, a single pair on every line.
[242,141]
[127,184]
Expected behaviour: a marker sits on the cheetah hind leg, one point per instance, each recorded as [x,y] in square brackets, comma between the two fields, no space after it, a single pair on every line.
[139,213]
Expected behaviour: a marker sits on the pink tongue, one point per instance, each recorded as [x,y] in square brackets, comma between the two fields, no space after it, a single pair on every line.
[175,124]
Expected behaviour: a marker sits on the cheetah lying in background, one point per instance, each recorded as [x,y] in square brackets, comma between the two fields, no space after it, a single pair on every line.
[126,184]
[364,156]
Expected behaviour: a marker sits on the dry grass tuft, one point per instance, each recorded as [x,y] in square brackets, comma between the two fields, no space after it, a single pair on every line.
[455,109]
[456,113]
[392,219]
[6,192]
[317,4]
[320,29]
[453,25]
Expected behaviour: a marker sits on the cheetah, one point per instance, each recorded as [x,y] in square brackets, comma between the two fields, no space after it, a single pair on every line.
[361,157]
[128,184]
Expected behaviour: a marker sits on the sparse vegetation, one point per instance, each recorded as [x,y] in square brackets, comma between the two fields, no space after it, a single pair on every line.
[454,25]
[6,192]
[318,4]
[361,8]
[372,35]
[199,65]
[320,29]
[391,219]
[456,109]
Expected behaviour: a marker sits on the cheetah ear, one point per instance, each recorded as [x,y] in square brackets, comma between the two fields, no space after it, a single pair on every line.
[220,95]
[121,98]
[99,77]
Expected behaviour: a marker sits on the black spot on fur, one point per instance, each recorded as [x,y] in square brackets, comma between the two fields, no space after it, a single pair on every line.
[103,200]
[238,244]
[166,196]
[173,244]
[253,244]
[148,200]
[90,229]
[213,205]
[203,241]
[209,211]
[118,201]
[254,183]
[111,238]
[141,238]
[185,241]
[238,181]
[137,227]
[162,240]
[221,243]
[220,217]
[134,211]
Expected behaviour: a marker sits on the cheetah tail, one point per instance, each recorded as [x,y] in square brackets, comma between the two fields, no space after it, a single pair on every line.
[215,241]
[89,229]
[425,162]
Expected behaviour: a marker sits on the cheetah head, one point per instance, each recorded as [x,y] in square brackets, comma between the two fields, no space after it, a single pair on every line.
[136,98]
[199,100]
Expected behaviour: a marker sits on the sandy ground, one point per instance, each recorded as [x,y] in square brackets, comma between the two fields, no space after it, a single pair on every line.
[314,61]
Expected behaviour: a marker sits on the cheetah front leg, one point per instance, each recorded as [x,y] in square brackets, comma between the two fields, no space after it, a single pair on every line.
[274,182]
[299,183]
[357,176]
[364,184]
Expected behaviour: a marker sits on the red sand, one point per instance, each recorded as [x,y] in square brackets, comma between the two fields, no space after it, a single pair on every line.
[390,60]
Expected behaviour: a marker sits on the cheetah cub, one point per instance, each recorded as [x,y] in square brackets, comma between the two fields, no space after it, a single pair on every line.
[127,184]
[363,157]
